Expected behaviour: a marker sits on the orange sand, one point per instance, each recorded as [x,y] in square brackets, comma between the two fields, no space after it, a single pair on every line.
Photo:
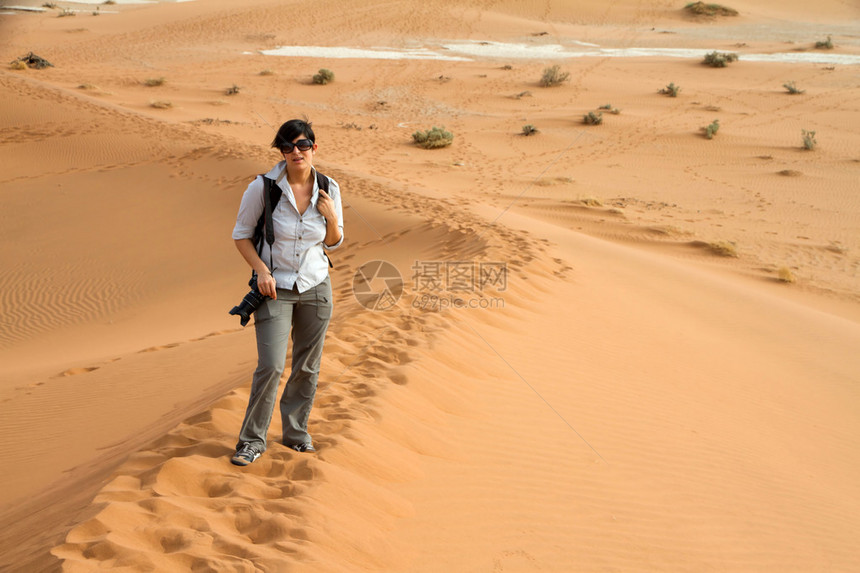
[632,402]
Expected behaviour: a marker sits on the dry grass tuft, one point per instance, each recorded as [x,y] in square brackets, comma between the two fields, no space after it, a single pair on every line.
[161,104]
[719,59]
[433,138]
[723,249]
[671,90]
[792,89]
[809,141]
[553,77]
[702,9]
[785,275]
[153,82]
[529,129]
[824,44]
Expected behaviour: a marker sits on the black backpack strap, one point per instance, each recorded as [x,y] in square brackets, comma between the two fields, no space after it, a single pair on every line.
[265,230]
[322,183]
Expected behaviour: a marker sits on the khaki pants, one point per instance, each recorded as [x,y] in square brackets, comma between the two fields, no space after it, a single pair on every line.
[307,315]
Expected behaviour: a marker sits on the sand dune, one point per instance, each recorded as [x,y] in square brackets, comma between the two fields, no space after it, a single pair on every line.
[627,399]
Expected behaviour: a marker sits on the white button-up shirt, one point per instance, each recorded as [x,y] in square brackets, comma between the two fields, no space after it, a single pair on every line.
[298,253]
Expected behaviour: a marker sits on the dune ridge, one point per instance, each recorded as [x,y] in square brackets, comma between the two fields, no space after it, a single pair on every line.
[179,504]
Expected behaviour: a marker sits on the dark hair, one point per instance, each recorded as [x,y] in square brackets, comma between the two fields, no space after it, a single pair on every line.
[291,130]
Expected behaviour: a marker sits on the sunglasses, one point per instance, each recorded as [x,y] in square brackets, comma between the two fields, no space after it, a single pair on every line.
[302,144]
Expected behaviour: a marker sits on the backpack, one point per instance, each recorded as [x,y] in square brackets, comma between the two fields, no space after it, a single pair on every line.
[265,230]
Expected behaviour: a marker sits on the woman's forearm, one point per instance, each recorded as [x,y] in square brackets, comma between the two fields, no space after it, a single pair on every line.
[332,232]
[249,253]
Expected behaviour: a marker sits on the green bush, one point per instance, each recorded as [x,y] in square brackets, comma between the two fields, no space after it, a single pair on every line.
[323,77]
[719,59]
[553,76]
[808,139]
[711,130]
[702,9]
[824,44]
[792,89]
[671,90]
[433,138]
[592,118]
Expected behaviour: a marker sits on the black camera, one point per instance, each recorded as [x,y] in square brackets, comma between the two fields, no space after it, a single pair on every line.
[250,303]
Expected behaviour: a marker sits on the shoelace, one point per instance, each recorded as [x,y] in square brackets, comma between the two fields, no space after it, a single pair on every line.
[247,450]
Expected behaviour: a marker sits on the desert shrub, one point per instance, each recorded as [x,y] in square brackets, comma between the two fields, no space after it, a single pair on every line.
[792,89]
[109,2]
[529,129]
[153,82]
[606,106]
[724,249]
[553,76]
[433,138]
[232,90]
[671,90]
[615,111]
[702,9]
[712,129]
[323,77]
[591,202]
[809,142]
[31,60]
[592,118]
[824,44]
[66,12]
[785,275]
[719,59]
[161,104]
[49,5]
[17,65]
[267,73]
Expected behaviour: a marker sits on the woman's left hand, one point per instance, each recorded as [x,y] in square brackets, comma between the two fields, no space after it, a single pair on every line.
[325,205]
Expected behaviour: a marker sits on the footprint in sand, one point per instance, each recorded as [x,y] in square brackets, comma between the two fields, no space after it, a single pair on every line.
[76,371]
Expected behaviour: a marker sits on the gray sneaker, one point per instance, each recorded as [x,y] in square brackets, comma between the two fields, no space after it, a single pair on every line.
[306,447]
[245,455]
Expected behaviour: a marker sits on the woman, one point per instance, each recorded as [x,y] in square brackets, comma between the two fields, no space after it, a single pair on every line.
[306,221]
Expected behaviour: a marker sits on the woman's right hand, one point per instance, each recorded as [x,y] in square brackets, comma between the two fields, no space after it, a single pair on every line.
[266,285]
